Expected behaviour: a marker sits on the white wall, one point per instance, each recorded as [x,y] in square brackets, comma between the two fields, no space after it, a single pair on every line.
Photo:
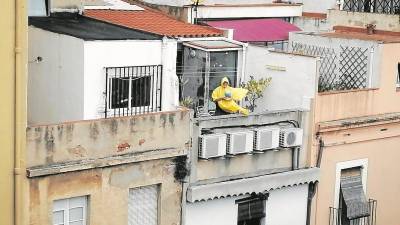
[285,206]
[318,6]
[293,78]
[101,54]
[250,12]
[215,212]
[55,85]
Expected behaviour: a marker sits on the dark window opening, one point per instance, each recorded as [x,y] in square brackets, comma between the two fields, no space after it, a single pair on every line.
[133,90]
[251,211]
[398,75]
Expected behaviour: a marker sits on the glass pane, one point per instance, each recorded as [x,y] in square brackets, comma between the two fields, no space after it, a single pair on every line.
[76,223]
[58,217]
[192,78]
[141,90]
[119,92]
[76,214]
[222,64]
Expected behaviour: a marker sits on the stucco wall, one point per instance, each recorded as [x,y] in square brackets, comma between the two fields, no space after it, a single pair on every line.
[55,85]
[310,24]
[218,169]
[294,78]
[103,159]
[356,19]
[107,190]
[378,145]
[228,12]
[280,204]
[320,7]
[99,139]
[339,105]
[101,54]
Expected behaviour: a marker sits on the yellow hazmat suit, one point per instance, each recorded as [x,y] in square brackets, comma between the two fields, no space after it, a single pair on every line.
[227,97]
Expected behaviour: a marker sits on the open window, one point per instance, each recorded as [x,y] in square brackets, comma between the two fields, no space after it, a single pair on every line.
[133,90]
[251,210]
[352,200]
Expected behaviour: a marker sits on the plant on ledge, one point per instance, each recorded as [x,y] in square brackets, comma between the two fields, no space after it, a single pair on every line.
[255,90]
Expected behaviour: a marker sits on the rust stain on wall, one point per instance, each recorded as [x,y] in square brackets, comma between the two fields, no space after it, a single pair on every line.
[123,146]
[142,141]
[78,151]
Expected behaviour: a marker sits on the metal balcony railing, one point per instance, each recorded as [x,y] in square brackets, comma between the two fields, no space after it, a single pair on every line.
[372,6]
[337,216]
[133,90]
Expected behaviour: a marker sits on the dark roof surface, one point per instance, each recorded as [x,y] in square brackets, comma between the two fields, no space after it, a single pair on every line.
[88,29]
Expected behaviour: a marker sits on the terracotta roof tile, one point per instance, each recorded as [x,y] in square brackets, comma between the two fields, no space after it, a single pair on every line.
[152,21]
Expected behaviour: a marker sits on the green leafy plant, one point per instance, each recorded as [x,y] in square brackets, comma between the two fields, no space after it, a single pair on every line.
[255,90]
[187,102]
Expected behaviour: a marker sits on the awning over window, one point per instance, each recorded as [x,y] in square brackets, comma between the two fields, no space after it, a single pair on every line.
[354,197]
[250,185]
[257,30]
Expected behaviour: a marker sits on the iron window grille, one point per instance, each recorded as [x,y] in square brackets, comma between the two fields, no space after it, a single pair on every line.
[336,216]
[133,90]
[398,75]
[372,6]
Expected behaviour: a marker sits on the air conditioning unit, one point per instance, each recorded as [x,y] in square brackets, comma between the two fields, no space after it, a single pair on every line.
[266,138]
[291,137]
[212,145]
[239,142]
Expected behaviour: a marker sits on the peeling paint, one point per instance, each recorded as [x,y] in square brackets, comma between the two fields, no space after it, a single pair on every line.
[123,146]
[142,141]
[94,131]
[78,151]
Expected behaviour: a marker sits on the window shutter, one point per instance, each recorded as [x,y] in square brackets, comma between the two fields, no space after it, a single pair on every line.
[143,206]
[353,194]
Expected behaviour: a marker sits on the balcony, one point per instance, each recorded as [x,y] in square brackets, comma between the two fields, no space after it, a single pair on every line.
[372,6]
[337,216]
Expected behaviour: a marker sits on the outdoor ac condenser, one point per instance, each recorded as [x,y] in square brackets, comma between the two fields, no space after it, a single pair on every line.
[239,142]
[266,138]
[291,137]
[212,145]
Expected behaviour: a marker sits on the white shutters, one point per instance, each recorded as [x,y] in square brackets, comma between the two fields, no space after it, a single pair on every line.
[70,211]
[143,205]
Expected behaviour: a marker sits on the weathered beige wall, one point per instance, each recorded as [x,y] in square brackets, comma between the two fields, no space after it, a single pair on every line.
[382,151]
[385,99]
[103,159]
[356,19]
[95,139]
[108,191]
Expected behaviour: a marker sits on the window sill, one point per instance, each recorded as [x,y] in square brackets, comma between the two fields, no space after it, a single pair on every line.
[347,91]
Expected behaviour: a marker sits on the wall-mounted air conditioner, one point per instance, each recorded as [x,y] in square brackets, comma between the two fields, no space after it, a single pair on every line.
[291,137]
[239,142]
[266,138]
[212,145]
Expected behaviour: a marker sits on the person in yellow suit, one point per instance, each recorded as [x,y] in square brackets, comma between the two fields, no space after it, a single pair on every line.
[226,96]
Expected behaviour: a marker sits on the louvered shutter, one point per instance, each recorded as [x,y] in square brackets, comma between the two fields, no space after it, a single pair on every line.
[143,206]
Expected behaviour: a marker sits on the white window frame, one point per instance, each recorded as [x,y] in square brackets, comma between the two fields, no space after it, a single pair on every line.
[363,163]
[65,205]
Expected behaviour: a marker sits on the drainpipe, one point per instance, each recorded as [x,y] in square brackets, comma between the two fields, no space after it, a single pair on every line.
[20,111]
[242,77]
[371,67]
[311,193]
[295,158]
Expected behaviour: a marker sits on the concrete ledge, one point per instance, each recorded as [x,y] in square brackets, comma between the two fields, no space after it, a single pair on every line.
[104,162]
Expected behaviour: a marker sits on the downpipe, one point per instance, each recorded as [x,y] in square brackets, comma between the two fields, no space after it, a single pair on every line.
[20,111]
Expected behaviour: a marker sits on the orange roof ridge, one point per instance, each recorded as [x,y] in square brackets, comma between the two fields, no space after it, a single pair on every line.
[153,21]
